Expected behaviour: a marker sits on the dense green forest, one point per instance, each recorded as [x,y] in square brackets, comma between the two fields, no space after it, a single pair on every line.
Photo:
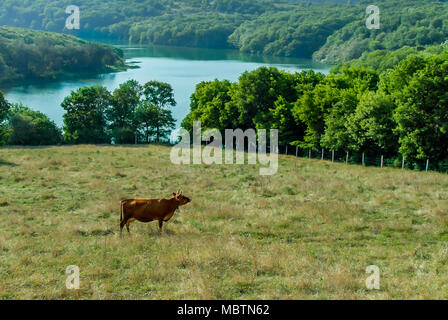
[331,31]
[27,55]
[400,111]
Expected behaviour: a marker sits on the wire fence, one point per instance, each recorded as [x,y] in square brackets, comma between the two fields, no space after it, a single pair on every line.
[358,158]
[365,159]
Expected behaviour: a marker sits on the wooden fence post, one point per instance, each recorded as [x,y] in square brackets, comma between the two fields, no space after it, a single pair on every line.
[427,165]
[322,153]
[297,151]
[332,155]
[346,159]
[402,164]
[382,160]
[286,149]
[363,162]
[309,153]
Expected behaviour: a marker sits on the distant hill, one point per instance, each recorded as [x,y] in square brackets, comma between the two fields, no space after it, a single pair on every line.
[403,23]
[27,55]
[337,32]
[330,31]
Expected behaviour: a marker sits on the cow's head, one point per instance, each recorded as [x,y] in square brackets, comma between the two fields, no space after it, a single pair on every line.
[181,198]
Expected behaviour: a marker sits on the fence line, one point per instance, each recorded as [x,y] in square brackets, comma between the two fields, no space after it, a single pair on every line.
[361,158]
[356,158]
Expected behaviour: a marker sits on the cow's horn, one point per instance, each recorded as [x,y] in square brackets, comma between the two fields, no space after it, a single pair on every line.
[178,191]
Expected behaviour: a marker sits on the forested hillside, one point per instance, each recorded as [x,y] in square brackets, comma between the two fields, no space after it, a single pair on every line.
[298,32]
[27,55]
[403,23]
[331,31]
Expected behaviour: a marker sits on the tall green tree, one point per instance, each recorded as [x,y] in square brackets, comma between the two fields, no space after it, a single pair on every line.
[32,128]
[4,109]
[280,115]
[121,111]
[256,92]
[336,135]
[325,109]
[207,104]
[154,114]
[84,119]
[311,109]
[422,110]
[371,125]
[159,93]
[155,121]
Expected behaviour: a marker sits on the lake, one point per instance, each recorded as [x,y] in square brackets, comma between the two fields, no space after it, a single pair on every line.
[183,68]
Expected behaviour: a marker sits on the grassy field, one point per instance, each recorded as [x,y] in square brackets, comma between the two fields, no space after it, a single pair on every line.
[307,232]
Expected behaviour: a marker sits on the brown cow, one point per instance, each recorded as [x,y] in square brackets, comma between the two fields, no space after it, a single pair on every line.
[146,210]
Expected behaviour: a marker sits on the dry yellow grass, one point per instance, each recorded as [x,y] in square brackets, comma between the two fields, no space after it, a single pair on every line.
[307,232]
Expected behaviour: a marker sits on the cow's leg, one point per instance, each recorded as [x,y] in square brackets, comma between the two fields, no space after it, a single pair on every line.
[127,225]
[160,226]
[122,223]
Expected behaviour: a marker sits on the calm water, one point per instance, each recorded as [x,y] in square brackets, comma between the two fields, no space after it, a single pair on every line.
[182,68]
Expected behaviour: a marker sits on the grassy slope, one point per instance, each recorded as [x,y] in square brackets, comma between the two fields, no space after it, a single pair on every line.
[308,232]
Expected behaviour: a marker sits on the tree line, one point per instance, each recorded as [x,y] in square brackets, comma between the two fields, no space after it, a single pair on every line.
[402,111]
[132,113]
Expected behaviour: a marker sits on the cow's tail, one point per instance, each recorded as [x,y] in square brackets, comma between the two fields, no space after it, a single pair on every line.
[122,211]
